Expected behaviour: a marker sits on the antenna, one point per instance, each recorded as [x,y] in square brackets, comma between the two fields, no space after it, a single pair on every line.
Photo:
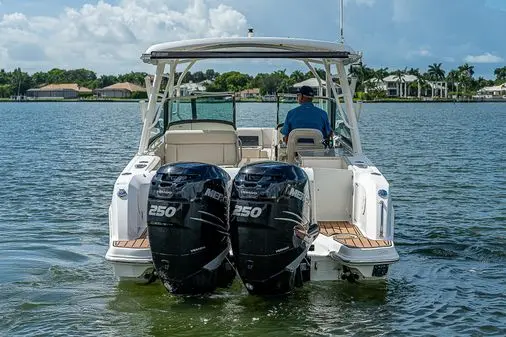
[341,23]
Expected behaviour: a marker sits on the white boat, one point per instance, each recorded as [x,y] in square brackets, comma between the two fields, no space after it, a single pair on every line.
[349,199]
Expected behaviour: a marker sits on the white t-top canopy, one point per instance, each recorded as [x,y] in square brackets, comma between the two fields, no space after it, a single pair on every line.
[250,47]
[172,54]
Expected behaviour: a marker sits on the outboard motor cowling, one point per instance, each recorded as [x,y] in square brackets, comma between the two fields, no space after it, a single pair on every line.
[188,228]
[270,226]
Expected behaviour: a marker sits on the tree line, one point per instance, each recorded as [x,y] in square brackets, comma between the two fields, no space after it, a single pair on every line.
[18,82]
[461,79]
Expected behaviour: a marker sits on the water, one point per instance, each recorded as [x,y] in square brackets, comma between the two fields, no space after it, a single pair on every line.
[446,164]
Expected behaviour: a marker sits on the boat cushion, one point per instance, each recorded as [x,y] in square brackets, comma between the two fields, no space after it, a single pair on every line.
[219,147]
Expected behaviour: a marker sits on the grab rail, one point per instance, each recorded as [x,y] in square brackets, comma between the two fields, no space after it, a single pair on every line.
[382,216]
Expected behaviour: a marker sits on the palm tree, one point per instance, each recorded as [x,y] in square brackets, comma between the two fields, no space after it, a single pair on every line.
[297,76]
[379,75]
[500,75]
[454,78]
[483,82]
[357,71]
[466,73]
[420,81]
[363,74]
[467,70]
[435,72]
[399,77]
[374,82]
[414,72]
[5,90]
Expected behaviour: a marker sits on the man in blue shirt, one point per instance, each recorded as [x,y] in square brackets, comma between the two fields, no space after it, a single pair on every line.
[306,116]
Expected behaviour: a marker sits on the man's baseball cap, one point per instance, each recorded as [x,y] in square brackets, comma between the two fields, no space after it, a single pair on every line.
[306,91]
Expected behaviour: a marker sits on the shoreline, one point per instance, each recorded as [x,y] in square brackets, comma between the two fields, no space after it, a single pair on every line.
[70,101]
[499,100]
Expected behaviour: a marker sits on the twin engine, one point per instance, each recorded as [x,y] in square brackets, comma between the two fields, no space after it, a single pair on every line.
[202,226]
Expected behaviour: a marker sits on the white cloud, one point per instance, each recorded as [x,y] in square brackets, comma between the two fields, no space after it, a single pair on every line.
[12,18]
[483,58]
[110,38]
[222,19]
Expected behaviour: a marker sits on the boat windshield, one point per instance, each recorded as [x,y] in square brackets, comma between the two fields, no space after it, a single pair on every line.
[203,108]
[209,107]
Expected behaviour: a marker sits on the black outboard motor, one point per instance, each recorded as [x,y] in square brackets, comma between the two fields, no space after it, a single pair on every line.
[188,227]
[270,226]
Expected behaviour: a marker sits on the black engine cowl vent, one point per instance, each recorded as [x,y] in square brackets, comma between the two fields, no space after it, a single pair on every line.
[270,226]
[188,227]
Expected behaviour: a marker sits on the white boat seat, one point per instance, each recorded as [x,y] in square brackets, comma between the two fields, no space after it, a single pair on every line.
[218,147]
[255,152]
[303,139]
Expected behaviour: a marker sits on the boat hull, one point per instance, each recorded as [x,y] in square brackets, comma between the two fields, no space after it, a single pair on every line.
[131,265]
[322,267]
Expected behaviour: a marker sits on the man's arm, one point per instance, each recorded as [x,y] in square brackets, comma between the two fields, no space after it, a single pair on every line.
[285,131]
[327,130]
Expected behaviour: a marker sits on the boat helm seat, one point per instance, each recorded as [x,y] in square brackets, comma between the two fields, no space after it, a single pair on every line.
[218,147]
[303,139]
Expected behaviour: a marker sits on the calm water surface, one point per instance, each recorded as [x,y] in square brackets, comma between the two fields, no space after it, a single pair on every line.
[447,167]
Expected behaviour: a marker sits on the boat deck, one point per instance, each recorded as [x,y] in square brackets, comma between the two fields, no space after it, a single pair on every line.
[141,242]
[349,235]
[343,232]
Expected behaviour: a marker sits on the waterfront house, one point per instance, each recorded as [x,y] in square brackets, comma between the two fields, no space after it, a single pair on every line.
[399,86]
[58,91]
[496,90]
[190,87]
[268,98]
[313,83]
[374,84]
[119,90]
[438,88]
[249,93]
[395,86]
[318,88]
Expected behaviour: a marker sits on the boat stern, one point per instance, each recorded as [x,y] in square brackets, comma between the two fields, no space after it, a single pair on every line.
[333,260]
[131,264]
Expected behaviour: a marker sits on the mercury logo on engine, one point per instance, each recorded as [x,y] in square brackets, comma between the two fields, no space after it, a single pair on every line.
[214,195]
[164,193]
[159,210]
[296,193]
[247,211]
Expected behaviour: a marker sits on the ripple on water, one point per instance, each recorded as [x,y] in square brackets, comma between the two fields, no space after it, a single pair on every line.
[449,191]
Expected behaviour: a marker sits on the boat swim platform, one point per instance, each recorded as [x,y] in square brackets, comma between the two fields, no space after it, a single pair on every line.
[141,242]
[343,232]
[349,235]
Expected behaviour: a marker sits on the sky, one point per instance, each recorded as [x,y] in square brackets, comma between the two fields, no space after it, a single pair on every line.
[108,36]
